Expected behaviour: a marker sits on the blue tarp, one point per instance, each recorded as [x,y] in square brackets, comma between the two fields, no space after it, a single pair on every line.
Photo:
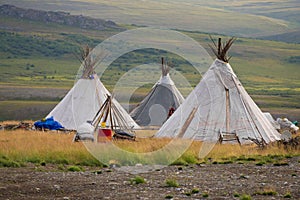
[48,123]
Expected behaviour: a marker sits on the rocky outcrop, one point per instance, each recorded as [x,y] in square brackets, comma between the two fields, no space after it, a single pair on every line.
[58,17]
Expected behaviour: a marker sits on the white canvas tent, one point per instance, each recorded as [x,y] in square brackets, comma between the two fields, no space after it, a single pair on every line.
[154,108]
[83,101]
[219,104]
[272,120]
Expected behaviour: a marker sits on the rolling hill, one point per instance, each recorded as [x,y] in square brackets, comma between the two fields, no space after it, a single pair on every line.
[37,59]
[250,18]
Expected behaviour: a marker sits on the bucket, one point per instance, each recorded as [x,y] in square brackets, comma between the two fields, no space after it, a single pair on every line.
[103,125]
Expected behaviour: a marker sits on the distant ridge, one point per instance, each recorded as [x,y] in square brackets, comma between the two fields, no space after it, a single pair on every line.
[58,17]
[290,37]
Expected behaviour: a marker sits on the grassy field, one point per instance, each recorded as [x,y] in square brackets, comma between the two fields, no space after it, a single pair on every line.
[20,148]
[38,68]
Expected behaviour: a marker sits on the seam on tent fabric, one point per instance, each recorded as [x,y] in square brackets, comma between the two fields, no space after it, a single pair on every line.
[247,108]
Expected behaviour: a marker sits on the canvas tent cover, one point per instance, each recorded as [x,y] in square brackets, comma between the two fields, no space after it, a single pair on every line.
[154,108]
[219,103]
[82,103]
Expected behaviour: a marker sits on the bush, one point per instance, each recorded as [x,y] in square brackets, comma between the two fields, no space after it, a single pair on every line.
[171,183]
[267,192]
[287,195]
[245,197]
[9,163]
[5,162]
[179,161]
[74,169]
[43,163]
[189,158]
[195,190]
[261,163]
[188,194]
[205,195]
[280,163]
[169,196]
[137,180]
[236,194]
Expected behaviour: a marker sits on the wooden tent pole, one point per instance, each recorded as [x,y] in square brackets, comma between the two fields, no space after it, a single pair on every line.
[110,114]
[219,47]
[227,111]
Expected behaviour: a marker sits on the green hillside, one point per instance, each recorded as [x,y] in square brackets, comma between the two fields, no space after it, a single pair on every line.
[36,58]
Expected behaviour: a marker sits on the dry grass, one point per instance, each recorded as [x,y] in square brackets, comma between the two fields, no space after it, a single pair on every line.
[36,147]
[58,148]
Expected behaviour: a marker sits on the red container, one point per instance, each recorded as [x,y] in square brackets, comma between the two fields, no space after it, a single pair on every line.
[104,134]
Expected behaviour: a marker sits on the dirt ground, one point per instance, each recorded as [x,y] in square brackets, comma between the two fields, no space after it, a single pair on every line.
[218,181]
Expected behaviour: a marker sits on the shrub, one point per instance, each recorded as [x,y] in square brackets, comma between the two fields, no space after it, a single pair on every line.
[195,190]
[236,194]
[137,180]
[261,163]
[5,162]
[251,159]
[43,163]
[98,172]
[189,158]
[74,169]
[61,167]
[245,197]
[205,195]
[34,160]
[287,195]
[179,162]
[188,194]
[280,163]
[171,183]
[267,192]
[169,196]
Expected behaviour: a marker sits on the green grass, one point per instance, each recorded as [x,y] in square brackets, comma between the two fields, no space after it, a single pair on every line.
[287,195]
[20,110]
[245,197]
[266,192]
[42,56]
[137,180]
[171,182]
[6,162]
[74,169]
[205,195]
[195,190]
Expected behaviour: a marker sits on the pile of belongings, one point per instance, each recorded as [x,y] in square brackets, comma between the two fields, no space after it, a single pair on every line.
[285,124]
[49,124]
[21,125]
[120,134]
[84,132]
